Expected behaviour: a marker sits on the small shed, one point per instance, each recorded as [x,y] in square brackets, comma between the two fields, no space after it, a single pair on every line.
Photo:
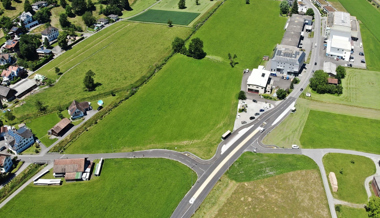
[60,128]
[376,185]
[332,81]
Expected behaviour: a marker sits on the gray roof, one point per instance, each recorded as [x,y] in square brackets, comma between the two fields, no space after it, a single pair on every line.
[49,30]
[102,20]
[24,85]
[291,38]
[288,54]
[5,91]
[294,29]
[113,16]
[25,132]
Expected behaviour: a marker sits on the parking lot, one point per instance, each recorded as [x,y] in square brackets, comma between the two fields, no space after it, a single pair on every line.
[253,108]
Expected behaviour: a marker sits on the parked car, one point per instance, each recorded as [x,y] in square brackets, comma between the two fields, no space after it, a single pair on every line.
[2,148]
[350,65]
[315,63]
[252,118]
[363,61]
[301,89]
[243,122]
[262,110]
[99,108]
[361,53]
[254,100]
[295,147]
[257,114]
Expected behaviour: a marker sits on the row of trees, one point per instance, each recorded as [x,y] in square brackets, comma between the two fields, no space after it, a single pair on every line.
[284,8]
[195,48]
[319,84]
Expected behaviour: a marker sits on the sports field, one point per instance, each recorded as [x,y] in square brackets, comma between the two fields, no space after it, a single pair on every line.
[360,88]
[161,16]
[190,103]
[126,187]
[329,130]
[370,29]
[351,172]
[268,185]
[118,55]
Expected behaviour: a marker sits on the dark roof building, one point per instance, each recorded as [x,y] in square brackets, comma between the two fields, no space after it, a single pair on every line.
[66,166]
[49,30]
[113,17]
[19,140]
[77,110]
[57,130]
[7,94]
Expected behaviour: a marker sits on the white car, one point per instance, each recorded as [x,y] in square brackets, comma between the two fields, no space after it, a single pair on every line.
[295,147]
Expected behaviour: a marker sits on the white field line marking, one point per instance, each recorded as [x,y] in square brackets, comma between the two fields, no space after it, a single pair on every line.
[216,170]
[283,113]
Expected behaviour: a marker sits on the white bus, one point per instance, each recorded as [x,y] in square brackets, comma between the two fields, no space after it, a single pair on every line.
[226,134]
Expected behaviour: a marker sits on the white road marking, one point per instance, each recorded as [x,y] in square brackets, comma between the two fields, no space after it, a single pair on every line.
[216,170]
[283,113]
[226,146]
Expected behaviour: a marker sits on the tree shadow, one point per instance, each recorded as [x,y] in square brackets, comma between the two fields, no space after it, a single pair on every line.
[97,84]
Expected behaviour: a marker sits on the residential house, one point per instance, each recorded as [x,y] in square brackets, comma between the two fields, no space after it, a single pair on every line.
[338,34]
[11,45]
[259,81]
[15,31]
[329,68]
[71,169]
[19,140]
[287,59]
[302,7]
[5,163]
[5,59]
[3,129]
[60,128]
[376,185]
[78,110]
[27,19]
[12,72]
[113,17]
[7,94]
[103,21]
[50,33]
[42,52]
[332,81]
[40,4]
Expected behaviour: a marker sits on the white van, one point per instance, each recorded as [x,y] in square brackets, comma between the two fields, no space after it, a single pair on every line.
[361,45]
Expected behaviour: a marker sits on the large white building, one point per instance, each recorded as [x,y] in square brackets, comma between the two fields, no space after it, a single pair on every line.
[259,81]
[50,33]
[338,34]
[27,19]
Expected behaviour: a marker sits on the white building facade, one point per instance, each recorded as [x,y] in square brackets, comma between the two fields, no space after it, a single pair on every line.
[259,82]
[50,33]
[338,34]
[20,140]
[27,19]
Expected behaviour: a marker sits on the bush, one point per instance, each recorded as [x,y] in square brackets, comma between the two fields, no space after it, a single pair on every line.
[281,94]
[338,208]
[242,95]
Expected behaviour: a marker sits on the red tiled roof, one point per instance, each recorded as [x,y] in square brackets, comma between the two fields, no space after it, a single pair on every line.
[332,81]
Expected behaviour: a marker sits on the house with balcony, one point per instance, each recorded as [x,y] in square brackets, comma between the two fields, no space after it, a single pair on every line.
[50,33]
[19,140]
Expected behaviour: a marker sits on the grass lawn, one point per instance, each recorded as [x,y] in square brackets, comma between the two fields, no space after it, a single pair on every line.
[116,55]
[350,171]
[329,130]
[290,130]
[191,6]
[41,125]
[138,6]
[370,29]
[137,187]
[349,212]
[360,88]
[251,166]
[161,16]
[173,110]
[17,9]
[264,184]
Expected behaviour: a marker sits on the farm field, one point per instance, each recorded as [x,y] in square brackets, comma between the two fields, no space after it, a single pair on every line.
[349,212]
[174,107]
[183,105]
[268,191]
[329,130]
[351,172]
[290,130]
[117,57]
[360,88]
[143,193]
[161,16]
[137,6]
[370,29]
[191,6]
[41,125]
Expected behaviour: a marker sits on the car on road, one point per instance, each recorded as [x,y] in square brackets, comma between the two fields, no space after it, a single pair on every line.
[254,100]
[361,53]
[295,147]
[257,114]
[315,63]
[301,89]
[252,118]
[363,61]
[262,110]
[2,148]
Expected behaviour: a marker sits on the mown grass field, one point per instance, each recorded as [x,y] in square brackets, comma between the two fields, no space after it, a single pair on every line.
[349,212]
[126,187]
[360,88]
[137,6]
[17,8]
[191,103]
[118,55]
[161,16]
[191,6]
[268,187]
[41,125]
[329,130]
[370,29]
[351,172]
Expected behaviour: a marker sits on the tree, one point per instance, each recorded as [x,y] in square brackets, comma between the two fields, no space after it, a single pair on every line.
[62,40]
[6,22]
[310,12]
[40,106]
[79,6]
[46,43]
[232,60]
[170,23]
[101,9]
[340,72]
[9,115]
[89,81]
[90,6]
[373,207]
[57,70]
[242,95]
[69,11]
[43,15]
[28,45]
[196,49]
[63,20]
[125,4]
[281,94]
[63,3]
[28,7]
[197,2]
[88,19]
[182,4]
[178,45]
[292,85]
[295,7]
[1,123]
[284,7]
[247,2]
[7,4]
